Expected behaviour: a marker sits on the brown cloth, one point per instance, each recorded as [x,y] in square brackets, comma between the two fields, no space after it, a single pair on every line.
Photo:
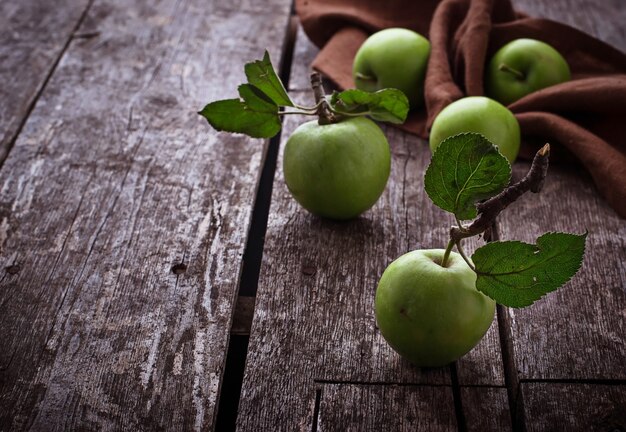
[585,116]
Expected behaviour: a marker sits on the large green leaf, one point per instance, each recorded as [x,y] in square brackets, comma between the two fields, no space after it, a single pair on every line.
[465,168]
[516,274]
[254,114]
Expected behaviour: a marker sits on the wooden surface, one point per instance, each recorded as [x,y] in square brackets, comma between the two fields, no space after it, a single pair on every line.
[486,409]
[33,36]
[313,327]
[373,408]
[123,221]
[573,406]
[127,227]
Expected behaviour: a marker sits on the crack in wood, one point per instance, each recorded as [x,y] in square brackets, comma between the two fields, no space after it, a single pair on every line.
[511,377]
[458,400]
[316,409]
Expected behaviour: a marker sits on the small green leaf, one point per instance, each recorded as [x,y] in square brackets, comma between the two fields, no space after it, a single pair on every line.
[389,105]
[256,115]
[466,168]
[261,74]
[516,274]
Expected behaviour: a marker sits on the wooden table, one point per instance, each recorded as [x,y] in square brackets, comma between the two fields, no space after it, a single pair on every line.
[156,275]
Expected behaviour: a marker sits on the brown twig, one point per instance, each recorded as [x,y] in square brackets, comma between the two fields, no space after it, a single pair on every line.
[326,116]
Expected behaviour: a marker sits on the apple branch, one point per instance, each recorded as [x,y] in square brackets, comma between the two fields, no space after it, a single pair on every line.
[488,210]
[326,116]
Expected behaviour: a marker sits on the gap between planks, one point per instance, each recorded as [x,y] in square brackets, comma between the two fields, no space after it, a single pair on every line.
[230,390]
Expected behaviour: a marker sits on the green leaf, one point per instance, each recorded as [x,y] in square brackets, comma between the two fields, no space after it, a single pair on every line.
[389,105]
[516,274]
[465,168]
[261,74]
[255,114]
[256,99]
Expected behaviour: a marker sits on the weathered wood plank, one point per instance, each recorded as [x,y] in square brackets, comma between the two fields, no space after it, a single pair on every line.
[574,407]
[486,409]
[363,408]
[303,56]
[605,19]
[33,35]
[114,181]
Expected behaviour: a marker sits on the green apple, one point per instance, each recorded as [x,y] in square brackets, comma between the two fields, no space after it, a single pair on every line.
[337,170]
[522,67]
[393,58]
[431,315]
[481,115]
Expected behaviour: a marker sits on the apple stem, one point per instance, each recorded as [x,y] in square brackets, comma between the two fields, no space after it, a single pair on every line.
[446,255]
[325,114]
[364,77]
[506,68]
[488,210]
[308,109]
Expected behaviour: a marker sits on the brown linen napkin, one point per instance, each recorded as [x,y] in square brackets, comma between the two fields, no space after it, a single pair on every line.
[585,116]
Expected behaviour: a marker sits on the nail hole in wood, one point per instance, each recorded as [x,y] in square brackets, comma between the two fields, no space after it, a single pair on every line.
[179,268]
[308,270]
[13,269]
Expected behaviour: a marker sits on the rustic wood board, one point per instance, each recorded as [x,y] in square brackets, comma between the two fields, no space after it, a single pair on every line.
[314,316]
[603,19]
[574,407]
[486,409]
[374,408]
[303,56]
[33,35]
[114,188]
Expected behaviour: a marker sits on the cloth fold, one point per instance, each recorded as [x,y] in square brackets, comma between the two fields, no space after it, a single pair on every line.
[584,118]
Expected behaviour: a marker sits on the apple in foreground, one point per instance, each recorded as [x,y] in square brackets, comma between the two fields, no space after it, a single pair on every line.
[522,67]
[481,115]
[393,58]
[337,170]
[431,315]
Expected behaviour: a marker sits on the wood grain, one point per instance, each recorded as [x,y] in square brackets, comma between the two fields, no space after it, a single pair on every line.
[574,407]
[123,219]
[486,409]
[604,19]
[33,35]
[374,408]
